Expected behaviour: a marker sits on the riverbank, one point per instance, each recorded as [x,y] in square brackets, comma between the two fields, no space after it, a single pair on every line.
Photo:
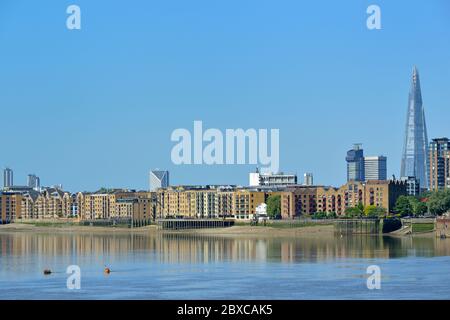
[239,230]
[67,227]
[246,230]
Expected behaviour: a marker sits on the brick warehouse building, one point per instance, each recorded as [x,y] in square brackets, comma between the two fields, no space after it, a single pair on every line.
[302,200]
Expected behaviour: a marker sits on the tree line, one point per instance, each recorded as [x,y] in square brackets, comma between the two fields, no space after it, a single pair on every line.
[429,203]
[432,202]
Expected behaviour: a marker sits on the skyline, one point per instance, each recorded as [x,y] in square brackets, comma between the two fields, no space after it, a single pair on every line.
[95,107]
[415,74]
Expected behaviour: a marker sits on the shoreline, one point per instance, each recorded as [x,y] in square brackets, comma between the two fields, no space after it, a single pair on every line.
[267,231]
[63,228]
[237,230]
[240,230]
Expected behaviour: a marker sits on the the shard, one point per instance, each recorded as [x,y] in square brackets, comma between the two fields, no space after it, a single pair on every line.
[415,149]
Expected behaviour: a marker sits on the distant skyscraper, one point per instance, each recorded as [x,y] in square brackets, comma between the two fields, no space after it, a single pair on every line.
[439,173]
[159,179]
[308,179]
[355,164]
[33,181]
[415,149]
[375,168]
[8,178]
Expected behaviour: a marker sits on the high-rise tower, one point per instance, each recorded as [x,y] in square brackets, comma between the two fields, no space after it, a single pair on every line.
[8,178]
[159,179]
[355,163]
[439,174]
[415,151]
[375,168]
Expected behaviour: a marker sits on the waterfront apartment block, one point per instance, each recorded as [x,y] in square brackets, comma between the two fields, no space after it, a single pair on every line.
[114,203]
[137,208]
[195,201]
[439,164]
[207,202]
[22,204]
[241,203]
[10,207]
[245,203]
[49,204]
[301,200]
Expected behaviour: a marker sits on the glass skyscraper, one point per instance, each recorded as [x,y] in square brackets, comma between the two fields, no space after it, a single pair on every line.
[415,150]
[159,179]
[355,164]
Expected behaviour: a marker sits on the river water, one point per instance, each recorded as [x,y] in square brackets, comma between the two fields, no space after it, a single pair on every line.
[182,266]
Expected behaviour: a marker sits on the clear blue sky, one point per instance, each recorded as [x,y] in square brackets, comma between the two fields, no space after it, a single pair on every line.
[96,107]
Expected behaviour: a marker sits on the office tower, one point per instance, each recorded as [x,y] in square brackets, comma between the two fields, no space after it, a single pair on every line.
[308,179]
[355,164]
[159,179]
[412,186]
[8,178]
[33,181]
[375,168]
[271,179]
[439,170]
[415,151]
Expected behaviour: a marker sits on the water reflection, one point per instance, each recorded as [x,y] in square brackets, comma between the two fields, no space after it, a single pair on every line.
[185,248]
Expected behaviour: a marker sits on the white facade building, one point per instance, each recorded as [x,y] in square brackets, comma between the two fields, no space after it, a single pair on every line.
[257,179]
[308,179]
[375,168]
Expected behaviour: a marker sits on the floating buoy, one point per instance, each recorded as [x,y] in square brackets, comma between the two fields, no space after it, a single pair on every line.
[47,271]
[107,270]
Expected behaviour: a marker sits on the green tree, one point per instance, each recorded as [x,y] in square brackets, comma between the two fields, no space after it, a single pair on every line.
[355,212]
[331,215]
[321,215]
[374,211]
[418,206]
[274,206]
[403,206]
[439,202]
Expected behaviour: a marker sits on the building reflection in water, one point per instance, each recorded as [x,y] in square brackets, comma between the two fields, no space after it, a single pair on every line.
[188,248]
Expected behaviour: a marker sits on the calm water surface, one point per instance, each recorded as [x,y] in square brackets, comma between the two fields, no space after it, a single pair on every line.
[180,266]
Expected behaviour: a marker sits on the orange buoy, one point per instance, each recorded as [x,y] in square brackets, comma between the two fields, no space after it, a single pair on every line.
[107,270]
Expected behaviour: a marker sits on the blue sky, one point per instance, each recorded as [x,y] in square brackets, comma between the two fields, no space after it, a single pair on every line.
[96,107]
